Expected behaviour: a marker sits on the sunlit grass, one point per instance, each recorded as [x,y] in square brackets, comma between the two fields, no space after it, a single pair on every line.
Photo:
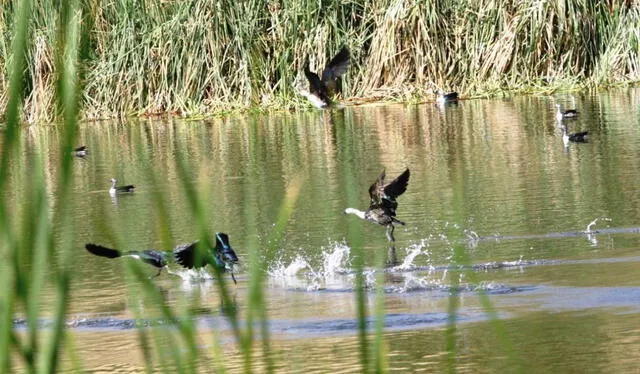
[197,57]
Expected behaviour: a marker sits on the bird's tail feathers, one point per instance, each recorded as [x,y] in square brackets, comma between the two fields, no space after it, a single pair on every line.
[99,250]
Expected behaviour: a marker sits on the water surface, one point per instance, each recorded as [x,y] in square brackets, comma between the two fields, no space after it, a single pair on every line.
[490,176]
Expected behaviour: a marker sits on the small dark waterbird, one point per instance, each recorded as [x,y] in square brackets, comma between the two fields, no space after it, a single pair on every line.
[566,114]
[115,190]
[80,151]
[221,257]
[578,137]
[383,205]
[321,88]
[444,98]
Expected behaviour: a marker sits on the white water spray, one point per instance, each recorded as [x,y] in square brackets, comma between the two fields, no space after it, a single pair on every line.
[591,236]
[192,275]
[335,264]
[412,252]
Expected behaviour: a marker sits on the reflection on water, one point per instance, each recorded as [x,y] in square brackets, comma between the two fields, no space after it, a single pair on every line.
[611,337]
[492,176]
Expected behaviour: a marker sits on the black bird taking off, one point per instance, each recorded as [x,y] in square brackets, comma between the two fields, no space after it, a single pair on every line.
[383,205]
[221,257]
[321,88]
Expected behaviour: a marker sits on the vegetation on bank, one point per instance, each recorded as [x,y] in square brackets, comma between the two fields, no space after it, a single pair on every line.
[199,57]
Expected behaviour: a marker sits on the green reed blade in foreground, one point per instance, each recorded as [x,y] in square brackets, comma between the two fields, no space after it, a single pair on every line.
[9,242]
[460,257]
[355,241]
[380,362]
[68,96]
[32,252]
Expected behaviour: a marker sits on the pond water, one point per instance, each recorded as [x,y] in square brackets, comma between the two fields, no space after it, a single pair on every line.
[491,177]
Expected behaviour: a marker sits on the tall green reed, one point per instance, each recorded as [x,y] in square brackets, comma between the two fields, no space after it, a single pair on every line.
[28,240]
[196,57]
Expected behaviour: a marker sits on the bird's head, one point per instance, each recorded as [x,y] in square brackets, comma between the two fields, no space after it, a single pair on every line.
[224,251]
[225,256]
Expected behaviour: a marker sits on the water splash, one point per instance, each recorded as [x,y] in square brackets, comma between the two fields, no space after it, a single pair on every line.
[591,236]
[192,275]
[279,270]
[287,275]
[413,282]
[337,261]
[414,251]
[472,239]
[334,269]
[369,279]
[335,273]
[336,266]
[595,221]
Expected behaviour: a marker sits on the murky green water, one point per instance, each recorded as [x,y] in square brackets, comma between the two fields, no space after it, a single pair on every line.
[492,176]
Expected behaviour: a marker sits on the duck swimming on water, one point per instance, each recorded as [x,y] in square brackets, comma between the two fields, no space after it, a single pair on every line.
[444,98]
[383,205]
[114,190]
[566,114]
[322,88]
[221,257]
[578,137]
[80,151]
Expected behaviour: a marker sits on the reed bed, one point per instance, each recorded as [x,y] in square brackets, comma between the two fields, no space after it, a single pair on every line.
[200,57]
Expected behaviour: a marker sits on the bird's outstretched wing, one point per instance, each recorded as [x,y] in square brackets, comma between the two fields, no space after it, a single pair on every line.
[376,190]
[451,96]
[189,256]
[337,66]
[397,186]
[316,86]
